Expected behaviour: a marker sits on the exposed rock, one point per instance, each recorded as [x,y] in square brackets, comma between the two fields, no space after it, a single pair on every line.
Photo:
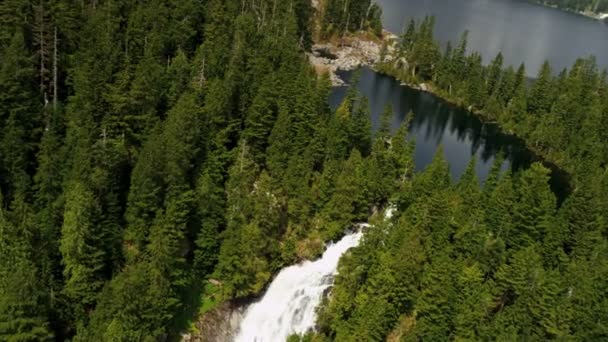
[326,51]
[424,87]
[218,325]
[215,282]
[349,55]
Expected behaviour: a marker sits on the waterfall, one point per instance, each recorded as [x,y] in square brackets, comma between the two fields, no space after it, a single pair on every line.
[289,305]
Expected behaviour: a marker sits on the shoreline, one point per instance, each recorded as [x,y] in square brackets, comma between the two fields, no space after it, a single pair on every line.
[351,52]
[588,14]
[360,52]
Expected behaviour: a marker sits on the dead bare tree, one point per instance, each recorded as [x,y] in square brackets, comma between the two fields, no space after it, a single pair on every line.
[55,67]
[369,8]
[40,40]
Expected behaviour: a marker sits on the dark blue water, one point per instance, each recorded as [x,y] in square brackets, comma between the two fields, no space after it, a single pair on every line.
[523,32]
[437,122]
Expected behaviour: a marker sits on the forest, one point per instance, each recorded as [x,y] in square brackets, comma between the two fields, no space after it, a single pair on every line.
[561,114]
[148,147]
[506,261]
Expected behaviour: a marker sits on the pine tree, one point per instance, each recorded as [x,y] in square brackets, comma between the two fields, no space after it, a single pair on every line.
[23,299]
[435,304]
[261,117]
[472,303]
[459,57]
[19,117]
[349,202]
[146,193]
[535,207]
[230,268]
[541,94]
[359,128]
[136,305]
[475,91]
[211,206]
[501,205]
[517,108]
[408,37]
[81,249]
[494,74]
[435,177]
[507,85]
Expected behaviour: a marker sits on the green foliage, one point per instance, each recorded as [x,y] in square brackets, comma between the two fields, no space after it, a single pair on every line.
[438,270]
[81,249]
[146,147]
[341,16]
[23,301]
[560,117]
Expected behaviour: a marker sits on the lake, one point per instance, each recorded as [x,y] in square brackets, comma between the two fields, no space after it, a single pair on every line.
[523,32]
[437,122]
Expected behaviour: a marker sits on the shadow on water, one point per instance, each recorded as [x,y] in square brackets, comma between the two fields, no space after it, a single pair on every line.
[436,122]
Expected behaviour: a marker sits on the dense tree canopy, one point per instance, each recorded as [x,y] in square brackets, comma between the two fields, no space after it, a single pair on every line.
[341,16]
[148,146]
[501,262]
[561,116]
[460,262]
[160,156]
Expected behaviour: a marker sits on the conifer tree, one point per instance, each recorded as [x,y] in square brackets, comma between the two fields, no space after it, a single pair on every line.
[494,74]
[23,300]
[541,95]
[360,126]
[81,249]
[535,207]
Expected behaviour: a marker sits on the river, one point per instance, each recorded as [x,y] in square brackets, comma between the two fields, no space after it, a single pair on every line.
[523,32]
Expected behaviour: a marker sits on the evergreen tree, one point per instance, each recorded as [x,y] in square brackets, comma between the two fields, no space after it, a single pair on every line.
[541,95]
[349,201]
[19,117]
[360,127]
[23,300]
[494,74]
[535,207]
[82,250]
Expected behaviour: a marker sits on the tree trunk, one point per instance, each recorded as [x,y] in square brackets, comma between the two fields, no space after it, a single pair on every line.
[41,43]
[348,16]
[55,61]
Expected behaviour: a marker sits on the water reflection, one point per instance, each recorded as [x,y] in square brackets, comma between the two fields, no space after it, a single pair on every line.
[436,122]
[521,31]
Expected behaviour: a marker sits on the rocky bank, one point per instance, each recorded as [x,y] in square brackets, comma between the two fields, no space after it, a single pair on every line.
[350,54]
[217,325]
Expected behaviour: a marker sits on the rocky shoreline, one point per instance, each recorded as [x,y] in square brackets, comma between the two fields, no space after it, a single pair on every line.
[350,54]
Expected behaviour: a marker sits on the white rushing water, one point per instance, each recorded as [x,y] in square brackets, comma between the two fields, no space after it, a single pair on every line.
[289,305]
